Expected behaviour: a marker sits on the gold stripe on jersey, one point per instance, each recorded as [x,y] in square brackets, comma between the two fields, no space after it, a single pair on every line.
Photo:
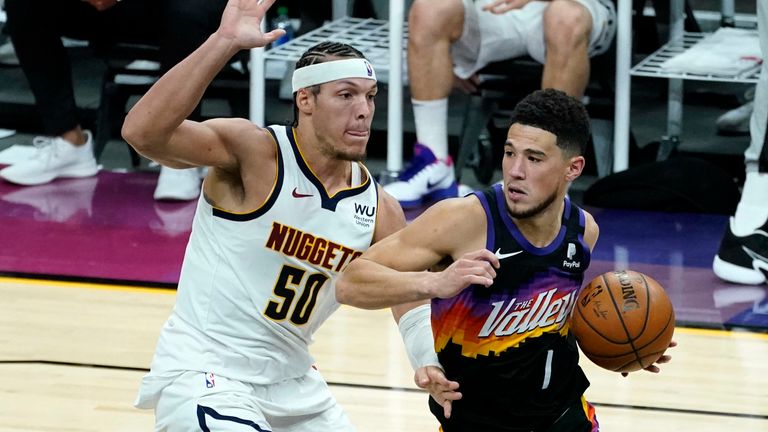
[320,185]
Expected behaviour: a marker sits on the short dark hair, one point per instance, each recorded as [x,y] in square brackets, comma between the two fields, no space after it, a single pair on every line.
[320,54]
[556,112]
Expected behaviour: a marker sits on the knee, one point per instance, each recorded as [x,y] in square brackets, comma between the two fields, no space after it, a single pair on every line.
[430,21]
[567,24]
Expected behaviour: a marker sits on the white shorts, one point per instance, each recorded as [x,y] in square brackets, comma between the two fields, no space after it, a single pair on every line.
[195,401]
[488,37]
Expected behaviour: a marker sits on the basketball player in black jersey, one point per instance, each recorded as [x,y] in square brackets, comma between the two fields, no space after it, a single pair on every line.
[516,255]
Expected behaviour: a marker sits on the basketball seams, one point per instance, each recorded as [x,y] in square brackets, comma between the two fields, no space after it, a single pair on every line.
[594,329]
[647,303]
[670,320]
[630,341]
[596,321]
[654,355]
[589,324]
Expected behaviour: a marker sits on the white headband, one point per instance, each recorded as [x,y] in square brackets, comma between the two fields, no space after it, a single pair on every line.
[320,73]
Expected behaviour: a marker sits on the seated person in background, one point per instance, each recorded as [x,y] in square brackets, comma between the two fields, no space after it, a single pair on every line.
[743,253]
[460,37]
[36,28]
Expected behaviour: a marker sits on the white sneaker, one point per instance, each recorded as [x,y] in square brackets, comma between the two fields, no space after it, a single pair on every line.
[735,121]
[177,184]
[743,259]
[426,179]
[54,158]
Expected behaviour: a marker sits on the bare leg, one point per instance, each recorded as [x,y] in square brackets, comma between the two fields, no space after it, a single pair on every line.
[433,26]
[567,26]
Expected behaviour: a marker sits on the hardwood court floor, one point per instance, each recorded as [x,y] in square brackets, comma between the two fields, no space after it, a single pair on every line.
[72,354]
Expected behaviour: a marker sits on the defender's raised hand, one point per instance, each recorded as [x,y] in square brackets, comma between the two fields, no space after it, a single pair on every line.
[241,23]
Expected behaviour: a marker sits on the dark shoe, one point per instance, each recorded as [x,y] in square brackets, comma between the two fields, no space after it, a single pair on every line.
[744,259]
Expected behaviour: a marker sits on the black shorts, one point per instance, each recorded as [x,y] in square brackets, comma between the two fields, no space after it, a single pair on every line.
[578,417]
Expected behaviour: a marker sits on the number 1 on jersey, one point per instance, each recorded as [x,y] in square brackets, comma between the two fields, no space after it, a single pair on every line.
[288,283]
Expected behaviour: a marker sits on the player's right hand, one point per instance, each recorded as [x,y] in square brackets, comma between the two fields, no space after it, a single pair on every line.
[442,390]
[473,268]
[241,23]
[665,358]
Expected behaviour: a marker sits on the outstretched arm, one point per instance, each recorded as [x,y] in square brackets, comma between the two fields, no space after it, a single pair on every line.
[414,322]
[413,318]
[156,125]
[393,272]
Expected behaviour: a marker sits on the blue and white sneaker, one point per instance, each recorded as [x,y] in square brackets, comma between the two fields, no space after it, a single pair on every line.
[426,179]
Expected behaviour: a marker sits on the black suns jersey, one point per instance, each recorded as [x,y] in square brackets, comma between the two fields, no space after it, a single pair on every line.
[509,345]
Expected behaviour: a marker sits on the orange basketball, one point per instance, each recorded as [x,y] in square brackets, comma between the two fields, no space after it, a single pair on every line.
[623,321]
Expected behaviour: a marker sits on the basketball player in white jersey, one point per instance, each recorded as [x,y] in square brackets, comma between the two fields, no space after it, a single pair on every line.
[282,213]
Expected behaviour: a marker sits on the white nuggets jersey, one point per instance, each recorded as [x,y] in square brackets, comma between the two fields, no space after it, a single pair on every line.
[255,287]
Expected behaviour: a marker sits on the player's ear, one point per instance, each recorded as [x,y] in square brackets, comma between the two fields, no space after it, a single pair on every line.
[304,100]
[575,167]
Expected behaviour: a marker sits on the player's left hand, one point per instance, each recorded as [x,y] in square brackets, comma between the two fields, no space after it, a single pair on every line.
[442,390]
[665,358]
[241,23]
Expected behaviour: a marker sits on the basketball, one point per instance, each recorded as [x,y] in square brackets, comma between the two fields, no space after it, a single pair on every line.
[623,321]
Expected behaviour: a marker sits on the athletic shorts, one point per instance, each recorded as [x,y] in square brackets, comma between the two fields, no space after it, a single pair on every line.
[488,37]
[578,417]
[198,401]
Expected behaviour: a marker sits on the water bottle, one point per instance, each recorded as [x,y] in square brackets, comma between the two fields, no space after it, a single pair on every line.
[282,21]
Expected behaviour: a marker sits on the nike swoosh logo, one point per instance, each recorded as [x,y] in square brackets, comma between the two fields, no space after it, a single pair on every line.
[500,255]
[296,194]
[754,255]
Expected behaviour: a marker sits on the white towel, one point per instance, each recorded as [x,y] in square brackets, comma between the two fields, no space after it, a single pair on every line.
[726,52]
